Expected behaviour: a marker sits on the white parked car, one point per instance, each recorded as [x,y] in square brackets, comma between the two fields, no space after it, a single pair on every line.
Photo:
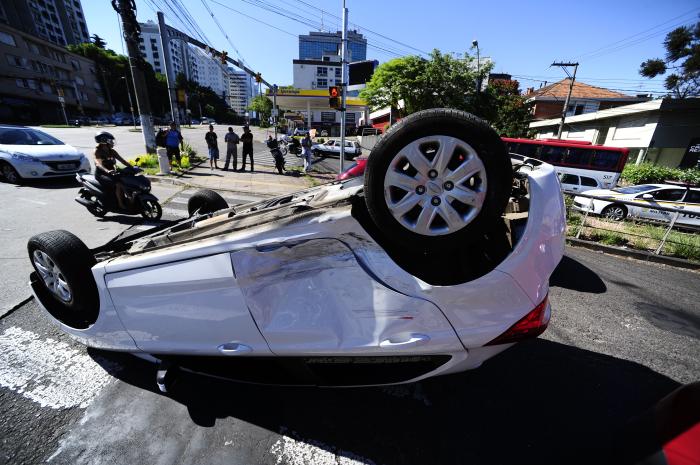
[332,147]
[648,196]
[27,153]
[410,272]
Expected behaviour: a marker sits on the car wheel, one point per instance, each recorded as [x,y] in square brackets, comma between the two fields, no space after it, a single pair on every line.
[151,209]
[62,263]
[205,201]
[10,173]
[438,178]
[615,212]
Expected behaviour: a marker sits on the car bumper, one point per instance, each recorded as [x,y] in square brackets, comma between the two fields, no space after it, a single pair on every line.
[44,170]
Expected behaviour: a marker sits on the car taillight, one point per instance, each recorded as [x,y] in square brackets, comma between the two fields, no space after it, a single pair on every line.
[531,325]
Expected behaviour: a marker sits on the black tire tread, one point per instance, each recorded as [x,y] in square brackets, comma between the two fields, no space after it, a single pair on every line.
[205,201]
[75,261]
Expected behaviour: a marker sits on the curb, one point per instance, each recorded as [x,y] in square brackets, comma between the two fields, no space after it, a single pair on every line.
[637,254]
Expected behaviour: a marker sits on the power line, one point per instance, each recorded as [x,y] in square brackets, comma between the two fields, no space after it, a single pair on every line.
[218,24]
[638,34]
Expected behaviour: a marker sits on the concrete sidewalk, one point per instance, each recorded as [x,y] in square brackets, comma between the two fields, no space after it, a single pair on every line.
[264,181]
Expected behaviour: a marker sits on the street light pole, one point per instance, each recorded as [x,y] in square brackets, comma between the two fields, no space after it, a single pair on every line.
[475,43]
[344,85]
[131,105]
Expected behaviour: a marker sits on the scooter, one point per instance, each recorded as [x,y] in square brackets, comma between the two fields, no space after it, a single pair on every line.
[137,190]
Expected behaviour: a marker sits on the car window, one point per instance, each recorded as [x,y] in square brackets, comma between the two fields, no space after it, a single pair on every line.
[668,195]
[26,136]
[693,197]
[330,143]
[526,150]
[569,179]
[589,182]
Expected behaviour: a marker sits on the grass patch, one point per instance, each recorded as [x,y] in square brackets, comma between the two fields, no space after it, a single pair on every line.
[640,236]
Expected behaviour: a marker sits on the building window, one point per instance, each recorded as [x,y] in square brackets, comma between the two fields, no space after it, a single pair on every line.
[15,61]
[338,72]
[75,64]
[26,83]
[321,71]
[46,88]
[84,97]
[79,80]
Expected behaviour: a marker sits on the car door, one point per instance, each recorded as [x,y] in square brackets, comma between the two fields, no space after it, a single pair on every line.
[666,197]
[314,297]
[187,307]
[570,183]
[691,205]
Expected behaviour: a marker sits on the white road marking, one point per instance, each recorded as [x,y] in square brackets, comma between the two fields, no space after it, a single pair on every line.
[47,371]
[178,200]
[32,201]
[290,451]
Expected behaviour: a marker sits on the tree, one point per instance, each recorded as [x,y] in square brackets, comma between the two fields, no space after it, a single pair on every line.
[98,41]
[204,98]
[510,113]
[262,105]
[682,60]
[440,81]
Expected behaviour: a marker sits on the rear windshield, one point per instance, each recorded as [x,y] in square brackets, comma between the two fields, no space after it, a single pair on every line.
[634,189]
[26,136]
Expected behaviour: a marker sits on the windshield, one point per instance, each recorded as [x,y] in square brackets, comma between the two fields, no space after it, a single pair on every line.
[26,136]
[634,189]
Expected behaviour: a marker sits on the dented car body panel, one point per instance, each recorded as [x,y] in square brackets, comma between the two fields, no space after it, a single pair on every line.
[304,278]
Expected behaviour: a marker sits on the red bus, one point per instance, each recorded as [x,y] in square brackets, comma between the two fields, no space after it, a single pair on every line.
[581,165]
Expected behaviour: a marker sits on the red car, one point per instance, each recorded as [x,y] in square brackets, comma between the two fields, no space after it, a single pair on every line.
[354,170]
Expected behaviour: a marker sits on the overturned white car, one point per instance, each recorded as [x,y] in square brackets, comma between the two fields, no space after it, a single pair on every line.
[437,261]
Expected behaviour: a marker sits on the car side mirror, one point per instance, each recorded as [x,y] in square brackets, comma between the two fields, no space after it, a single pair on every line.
[647,197]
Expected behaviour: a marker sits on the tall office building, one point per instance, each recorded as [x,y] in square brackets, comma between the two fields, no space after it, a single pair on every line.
[61,22]
[150,46]
[240,90]
[314,45]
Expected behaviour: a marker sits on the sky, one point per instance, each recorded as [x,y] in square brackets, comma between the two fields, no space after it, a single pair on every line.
[609,39]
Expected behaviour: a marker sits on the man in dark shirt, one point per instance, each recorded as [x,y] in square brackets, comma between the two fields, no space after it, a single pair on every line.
[247,139]
[213,146]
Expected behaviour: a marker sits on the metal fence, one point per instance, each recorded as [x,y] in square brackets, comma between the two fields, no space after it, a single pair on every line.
[659,237]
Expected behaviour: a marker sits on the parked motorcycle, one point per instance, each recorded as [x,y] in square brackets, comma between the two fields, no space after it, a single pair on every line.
[137,189]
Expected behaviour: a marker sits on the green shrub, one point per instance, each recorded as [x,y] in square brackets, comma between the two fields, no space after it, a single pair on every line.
[649,173]
[145,161]
[320,140]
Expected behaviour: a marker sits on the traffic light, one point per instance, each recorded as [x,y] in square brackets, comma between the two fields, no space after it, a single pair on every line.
[224,56]
[258,78]
[334,97]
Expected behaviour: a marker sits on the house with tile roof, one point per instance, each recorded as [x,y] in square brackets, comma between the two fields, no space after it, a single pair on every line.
[548,101]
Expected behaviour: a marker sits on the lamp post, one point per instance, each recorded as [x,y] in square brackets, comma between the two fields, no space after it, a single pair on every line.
[131,105]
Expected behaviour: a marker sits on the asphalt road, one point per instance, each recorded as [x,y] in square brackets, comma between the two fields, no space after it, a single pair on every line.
[43,206]
[623,335]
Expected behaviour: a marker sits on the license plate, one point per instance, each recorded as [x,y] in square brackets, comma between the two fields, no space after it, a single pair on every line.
[65,166]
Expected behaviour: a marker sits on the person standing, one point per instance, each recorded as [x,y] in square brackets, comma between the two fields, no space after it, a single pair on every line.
[306,145]
[231,140]
[213,146]
[173,142]
[247,139]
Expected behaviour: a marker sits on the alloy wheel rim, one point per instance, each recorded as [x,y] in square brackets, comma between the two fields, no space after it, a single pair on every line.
[435,185]
[615,213]
[52,276]
[150,209]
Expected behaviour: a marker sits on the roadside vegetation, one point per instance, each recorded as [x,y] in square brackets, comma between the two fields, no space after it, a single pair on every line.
[635,235]
[149,162]
[648,173]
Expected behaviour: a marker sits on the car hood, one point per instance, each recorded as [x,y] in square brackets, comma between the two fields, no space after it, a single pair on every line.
[43,152]
[602,193]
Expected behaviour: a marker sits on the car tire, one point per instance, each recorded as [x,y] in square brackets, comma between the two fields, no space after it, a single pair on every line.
[205,201]
[614,211]
[63,265]
[429,199]
[9,173]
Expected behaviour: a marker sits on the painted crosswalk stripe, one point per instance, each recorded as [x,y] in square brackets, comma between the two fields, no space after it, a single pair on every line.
[50,372]
[290,451]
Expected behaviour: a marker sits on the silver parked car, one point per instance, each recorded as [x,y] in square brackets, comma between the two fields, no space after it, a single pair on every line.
[27,153]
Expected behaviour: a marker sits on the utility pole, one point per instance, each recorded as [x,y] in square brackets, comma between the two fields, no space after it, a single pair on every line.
[274,108]
[169,74]
[132,31]
[344,84]
[568,96]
